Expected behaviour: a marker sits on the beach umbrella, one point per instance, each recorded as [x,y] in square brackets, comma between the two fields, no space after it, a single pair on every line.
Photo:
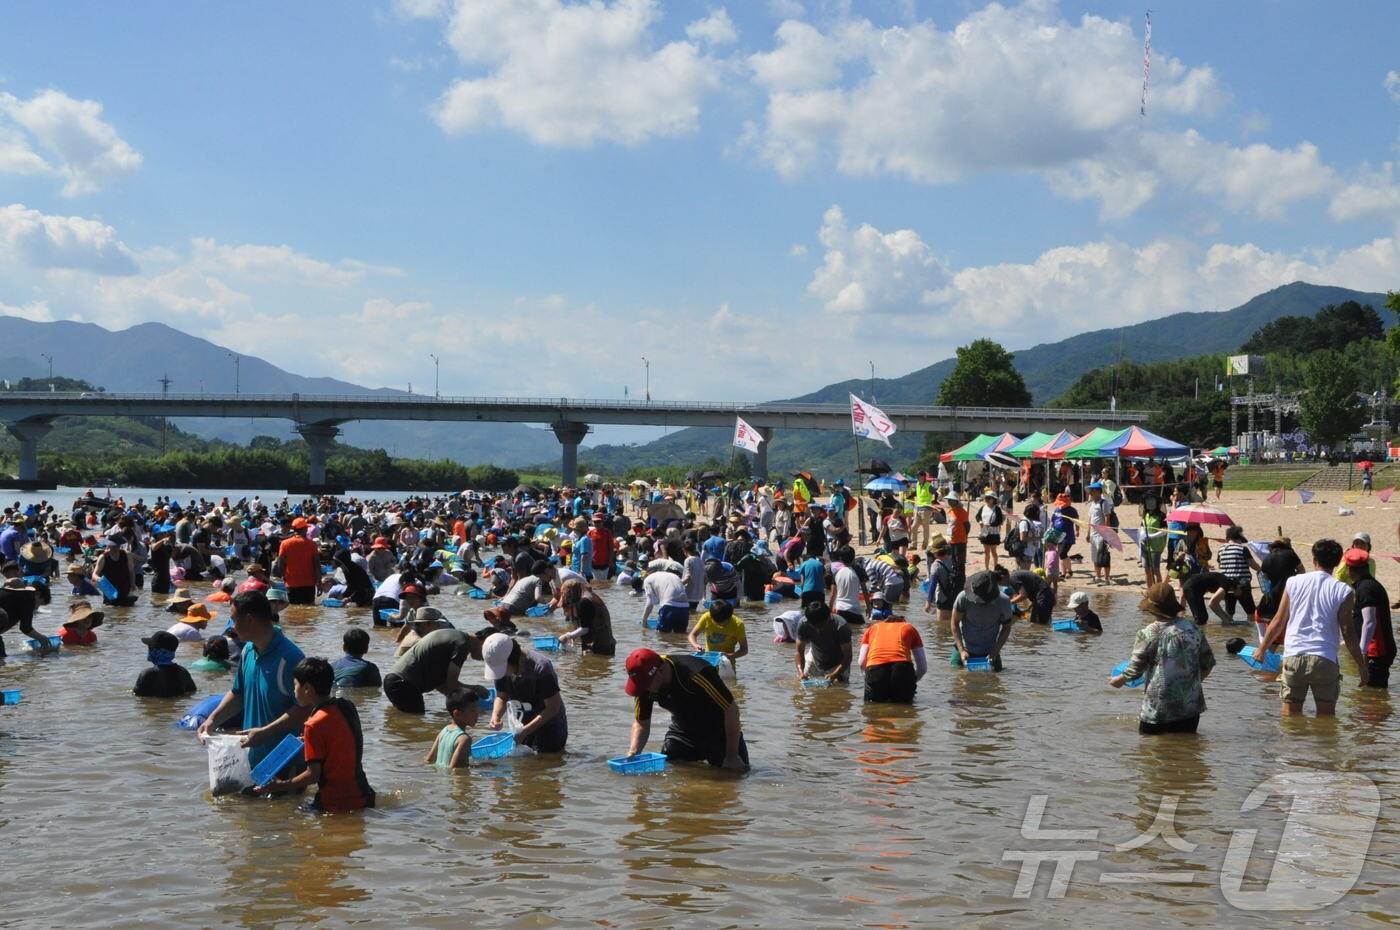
[591,478]
[638,483]
[1002,460]
[885,483]
[711,476]
[1365,463]
[525,489]
[666,510]
[1200,513]
[875,467]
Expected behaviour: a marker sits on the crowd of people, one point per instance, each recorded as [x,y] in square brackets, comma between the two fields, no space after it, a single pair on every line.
[690,555]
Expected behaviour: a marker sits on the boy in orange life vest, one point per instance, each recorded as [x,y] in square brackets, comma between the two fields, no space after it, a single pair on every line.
[958,525]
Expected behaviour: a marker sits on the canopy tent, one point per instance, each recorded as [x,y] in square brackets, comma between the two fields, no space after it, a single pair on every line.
[969,450]
[1003,442]
[1026,447]
[1138,443]
[1225,450]
[1054,449]
[1091,444]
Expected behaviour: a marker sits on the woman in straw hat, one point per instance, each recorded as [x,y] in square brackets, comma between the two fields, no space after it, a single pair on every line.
[1173,656]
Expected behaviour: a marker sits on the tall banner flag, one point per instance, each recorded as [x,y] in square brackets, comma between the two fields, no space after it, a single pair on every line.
[745,436]
[869,421]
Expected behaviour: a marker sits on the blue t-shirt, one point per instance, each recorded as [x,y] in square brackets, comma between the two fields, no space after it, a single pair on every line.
[582,559]
[813,576]
[713,548]
[9,543]
[352,672]
[264,681]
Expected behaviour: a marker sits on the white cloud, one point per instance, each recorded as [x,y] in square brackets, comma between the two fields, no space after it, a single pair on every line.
[41,241]
[421,9]
[716,29]
[798,250]
[1370,192]
[89,154]
[279,263]
[1005,89]
[572,75]
[866,270]
[1392,85]
[786,9]
[38,311]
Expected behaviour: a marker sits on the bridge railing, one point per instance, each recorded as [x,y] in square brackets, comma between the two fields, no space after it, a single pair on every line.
[573,403]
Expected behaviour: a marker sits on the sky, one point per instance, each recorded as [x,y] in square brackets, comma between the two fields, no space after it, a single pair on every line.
[759,198]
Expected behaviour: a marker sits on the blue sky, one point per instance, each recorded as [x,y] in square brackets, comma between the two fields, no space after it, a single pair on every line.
[759,197]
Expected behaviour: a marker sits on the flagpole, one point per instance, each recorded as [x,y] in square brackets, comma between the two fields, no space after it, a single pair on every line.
[860,486]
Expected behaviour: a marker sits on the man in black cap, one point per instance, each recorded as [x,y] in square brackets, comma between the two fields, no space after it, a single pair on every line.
[164,678]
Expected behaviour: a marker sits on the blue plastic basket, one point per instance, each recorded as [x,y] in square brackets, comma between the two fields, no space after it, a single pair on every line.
[546,643]
[328,569]
[816,682]
[199,713]
[489,701]
[277,760]
[771,597]
[477,594]
[643,763]
[63,550]
[653,623]
[493,747]
[979,665]
[231,552]
[1120,668]
[1064,626]
[1272,662]
[710,657]
[9,697]
[332,602]
[539,610]
[386,615]
[109,590]
[36,579]
[54,641]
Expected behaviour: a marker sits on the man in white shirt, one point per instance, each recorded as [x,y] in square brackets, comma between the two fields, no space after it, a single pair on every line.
[1313,618]
[1100,512]
[848,588]
[665,593]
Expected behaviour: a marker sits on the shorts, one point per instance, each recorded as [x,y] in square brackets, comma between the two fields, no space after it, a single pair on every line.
[682,746]
[1305,672]
[306,595]
[851,616]
[403,695]
[1185,725]
[1378,671]
[672,619]
[1098,551]
[991,539]
[890,683]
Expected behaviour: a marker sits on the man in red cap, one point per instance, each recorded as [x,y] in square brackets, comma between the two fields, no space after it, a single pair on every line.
[301,565]
[704,718]
[604,546]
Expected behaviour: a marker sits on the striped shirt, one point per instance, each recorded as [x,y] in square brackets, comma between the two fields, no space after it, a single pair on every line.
[1233,559]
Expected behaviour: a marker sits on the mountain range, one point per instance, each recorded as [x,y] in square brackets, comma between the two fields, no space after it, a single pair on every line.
[135,359]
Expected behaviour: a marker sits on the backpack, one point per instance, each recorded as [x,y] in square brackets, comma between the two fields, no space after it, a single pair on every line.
[1015,543]
[1117,496]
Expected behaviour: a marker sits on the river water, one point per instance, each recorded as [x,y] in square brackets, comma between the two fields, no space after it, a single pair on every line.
[854,816]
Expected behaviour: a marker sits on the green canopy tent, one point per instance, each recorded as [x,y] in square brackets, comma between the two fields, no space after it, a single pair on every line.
[968,451]
[1026,447]
[1091,444]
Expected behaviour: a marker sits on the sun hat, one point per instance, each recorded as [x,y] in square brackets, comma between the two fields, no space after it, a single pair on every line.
[197,615]
[276,595]
[79,611]
[426,615]
[1079,597]
[40,551]
[1096,486]
[495,655]
[162,640]
[380,543]
[1161,601]
[642,666]
[299,523]
[180,597]
[76,569]
[953,498]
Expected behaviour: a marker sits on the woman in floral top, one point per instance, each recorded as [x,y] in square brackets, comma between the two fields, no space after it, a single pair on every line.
[1174,656]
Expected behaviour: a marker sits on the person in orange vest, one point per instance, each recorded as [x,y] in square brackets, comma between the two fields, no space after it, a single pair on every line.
[958,526]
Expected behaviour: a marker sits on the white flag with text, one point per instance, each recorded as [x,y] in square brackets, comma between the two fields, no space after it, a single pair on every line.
[870,421]
[745,436]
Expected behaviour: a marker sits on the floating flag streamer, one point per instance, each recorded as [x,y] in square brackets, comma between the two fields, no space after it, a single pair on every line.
[1146,61]
[1306,496]
[869,421]
[745,436]
[1109,535]
[1385,495]
[1276,498]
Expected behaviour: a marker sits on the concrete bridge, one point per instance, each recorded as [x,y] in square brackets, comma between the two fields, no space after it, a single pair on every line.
[318,417]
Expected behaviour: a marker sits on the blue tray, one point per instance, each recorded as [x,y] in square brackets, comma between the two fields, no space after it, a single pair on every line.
[771,597]
[539,610]
[546,643]
[34,644]
[277,760]
[710,657]
[816,682]
[494,746]
[477,594]
[489,701]
[1273,662]
[653,623]
[109,590]
[199,713]
[9,697]
[1064,626]
[63,550]
[979,665]
[1118,670]
[36,579]
[231,552]
[385,614]
[643,763]
[332,602]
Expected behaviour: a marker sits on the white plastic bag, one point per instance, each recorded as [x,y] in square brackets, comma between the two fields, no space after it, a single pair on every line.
[229,769]
[515,717]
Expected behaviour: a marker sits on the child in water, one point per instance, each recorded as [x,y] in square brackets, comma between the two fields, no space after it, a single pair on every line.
[1084,618]
[215,658]
[77,630]
[453,746]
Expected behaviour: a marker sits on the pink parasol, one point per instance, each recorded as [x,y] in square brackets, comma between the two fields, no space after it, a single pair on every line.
[1200,513]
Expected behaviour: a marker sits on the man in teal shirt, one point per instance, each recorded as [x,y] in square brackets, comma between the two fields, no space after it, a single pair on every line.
[262,686]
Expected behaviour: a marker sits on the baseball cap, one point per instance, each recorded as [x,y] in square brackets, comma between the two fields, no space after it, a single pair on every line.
[1356,557]
[299,523]
[495,653]
[1362,537]
[162,640]
[642,666]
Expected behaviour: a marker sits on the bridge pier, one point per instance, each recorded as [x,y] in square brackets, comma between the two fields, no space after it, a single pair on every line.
[570,434]
[29,433]
[319,437]
[760,458]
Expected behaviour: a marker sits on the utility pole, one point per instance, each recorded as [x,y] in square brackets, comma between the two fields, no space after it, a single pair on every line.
[236,379]
[648,368]
[46,355]
[872,382]
[436,363]
[164,390]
